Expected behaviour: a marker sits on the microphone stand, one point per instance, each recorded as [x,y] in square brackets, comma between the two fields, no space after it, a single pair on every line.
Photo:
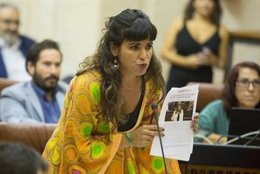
[155,111]
[252,139]
[257,132]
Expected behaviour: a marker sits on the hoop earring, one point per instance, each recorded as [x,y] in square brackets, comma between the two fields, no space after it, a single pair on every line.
[115,63]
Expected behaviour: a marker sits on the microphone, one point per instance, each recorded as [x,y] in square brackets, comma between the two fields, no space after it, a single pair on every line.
[155,115]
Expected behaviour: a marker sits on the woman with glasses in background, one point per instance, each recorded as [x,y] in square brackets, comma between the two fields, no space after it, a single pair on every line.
[242,89]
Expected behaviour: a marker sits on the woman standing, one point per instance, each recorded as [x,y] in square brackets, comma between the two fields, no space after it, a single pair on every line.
[107,123]
[196,43]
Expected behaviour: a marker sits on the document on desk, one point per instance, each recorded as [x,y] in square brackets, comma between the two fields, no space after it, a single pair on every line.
[175,117]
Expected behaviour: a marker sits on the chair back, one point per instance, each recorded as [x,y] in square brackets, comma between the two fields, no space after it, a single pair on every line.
[5,83]
[207,93]
[34,135]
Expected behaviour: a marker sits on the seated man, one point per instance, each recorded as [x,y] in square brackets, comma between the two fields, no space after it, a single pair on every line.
[14,47]
[40,99]
[17,158]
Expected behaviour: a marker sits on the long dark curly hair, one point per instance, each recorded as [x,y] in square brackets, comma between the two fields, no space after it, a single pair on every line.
[130,25]
[215,15]
[228,96]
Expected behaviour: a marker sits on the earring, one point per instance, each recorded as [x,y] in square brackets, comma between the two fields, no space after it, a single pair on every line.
[115,63]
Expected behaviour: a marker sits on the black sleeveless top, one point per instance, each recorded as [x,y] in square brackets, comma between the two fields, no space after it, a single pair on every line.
[187,45]
[132,118]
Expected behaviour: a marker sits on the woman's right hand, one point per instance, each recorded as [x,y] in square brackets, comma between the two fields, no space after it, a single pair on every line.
[143,135]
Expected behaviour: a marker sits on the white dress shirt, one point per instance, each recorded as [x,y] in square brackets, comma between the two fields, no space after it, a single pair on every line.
[176,114]
[14,61]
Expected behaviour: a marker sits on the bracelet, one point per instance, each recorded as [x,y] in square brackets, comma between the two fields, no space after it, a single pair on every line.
[129,139]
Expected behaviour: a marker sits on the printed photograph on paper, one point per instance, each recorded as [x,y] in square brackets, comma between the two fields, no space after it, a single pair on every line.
[179,111]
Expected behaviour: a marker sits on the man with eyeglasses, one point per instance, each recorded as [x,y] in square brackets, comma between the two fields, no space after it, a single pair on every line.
[13,47]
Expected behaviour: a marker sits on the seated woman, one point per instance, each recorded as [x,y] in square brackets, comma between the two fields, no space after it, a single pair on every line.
[242,89]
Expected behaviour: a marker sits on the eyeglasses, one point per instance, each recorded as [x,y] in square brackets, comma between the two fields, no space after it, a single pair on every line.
[9,21]
[244,83]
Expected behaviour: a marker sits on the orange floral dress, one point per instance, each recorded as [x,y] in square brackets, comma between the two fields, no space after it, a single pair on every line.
[83,142]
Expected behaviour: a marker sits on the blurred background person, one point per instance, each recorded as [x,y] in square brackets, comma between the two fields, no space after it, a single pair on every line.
[13,47]
[195,43]
[16,158]
[41,99]
[242,89]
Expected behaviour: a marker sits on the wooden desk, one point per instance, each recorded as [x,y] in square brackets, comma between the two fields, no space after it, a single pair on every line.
[222,159]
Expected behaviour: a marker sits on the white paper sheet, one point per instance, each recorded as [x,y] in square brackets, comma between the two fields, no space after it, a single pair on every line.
[175,117]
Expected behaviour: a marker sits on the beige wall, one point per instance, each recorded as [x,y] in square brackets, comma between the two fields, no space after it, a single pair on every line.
[77,24]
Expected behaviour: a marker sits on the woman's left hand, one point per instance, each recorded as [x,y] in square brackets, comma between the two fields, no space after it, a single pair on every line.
[195,123]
